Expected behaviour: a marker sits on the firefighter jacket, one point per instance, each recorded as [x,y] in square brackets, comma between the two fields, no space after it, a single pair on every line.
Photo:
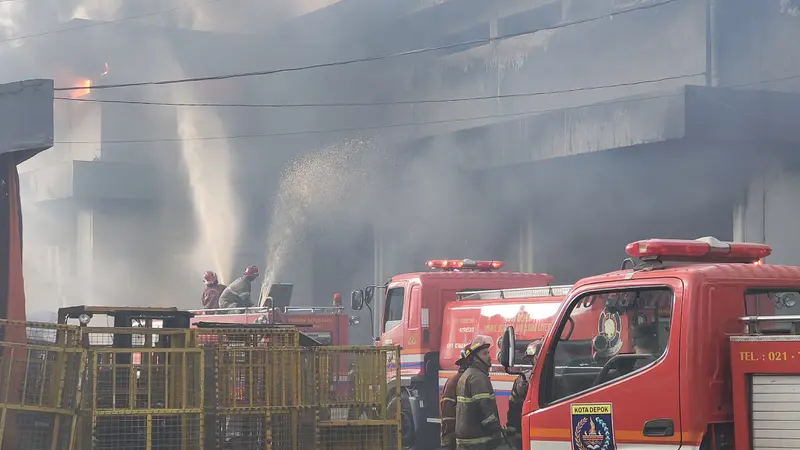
[518,393]
[211,296]
[477,420]
[448,409]
[237,294]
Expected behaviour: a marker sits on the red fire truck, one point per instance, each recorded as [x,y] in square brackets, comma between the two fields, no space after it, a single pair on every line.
[713,360]
[328,325]
[432,315]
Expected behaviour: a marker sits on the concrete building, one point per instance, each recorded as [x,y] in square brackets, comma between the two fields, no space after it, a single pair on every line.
[110,216]
[694,140]
[555,183]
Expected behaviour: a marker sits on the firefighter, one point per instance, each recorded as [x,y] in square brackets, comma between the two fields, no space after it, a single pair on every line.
[518,393]
[448,404]
[213,290]
[237,294]
[645,342]
[477,420]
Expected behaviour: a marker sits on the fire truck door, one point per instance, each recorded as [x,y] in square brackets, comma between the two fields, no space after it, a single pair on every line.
[394,308]
[592,395]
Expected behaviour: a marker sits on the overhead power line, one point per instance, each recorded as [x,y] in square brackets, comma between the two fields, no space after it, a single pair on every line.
[368,128]
[100,24]
[414,124]
[371,58]
[385,103]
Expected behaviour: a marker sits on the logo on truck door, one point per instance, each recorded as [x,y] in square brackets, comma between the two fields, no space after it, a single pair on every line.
[592,427]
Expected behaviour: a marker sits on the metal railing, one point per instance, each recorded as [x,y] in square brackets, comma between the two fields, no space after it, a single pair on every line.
[756,324]
[515,293]
[244,311]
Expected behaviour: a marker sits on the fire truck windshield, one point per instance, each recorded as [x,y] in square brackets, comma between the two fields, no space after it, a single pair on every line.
[605,336]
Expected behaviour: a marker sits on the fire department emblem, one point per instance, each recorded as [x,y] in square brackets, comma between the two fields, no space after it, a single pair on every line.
[608,326]
[592,427]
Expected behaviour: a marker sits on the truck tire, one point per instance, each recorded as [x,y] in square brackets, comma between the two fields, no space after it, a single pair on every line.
[406,419]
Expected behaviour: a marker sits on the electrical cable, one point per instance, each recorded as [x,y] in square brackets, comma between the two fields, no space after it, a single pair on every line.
[413,124]
[385,103]
[370,58]
[356,129]
[108,22]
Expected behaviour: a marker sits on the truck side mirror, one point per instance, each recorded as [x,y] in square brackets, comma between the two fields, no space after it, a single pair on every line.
[357,300]
[507,348]
[369,293]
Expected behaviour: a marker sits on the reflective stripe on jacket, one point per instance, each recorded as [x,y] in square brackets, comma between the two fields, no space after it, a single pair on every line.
[477,419]
[448,410]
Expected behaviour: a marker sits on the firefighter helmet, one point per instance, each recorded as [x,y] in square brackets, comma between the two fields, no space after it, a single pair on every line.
[251,271]
[479,342]
[210,277]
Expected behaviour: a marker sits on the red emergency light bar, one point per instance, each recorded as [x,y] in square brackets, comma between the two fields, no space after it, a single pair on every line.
[466,264]
[706,249]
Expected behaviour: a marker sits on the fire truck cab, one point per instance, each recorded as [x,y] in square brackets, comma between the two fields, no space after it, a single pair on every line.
[699,368]
[431,316]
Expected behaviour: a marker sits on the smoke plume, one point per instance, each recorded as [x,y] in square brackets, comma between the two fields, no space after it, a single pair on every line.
[331,211]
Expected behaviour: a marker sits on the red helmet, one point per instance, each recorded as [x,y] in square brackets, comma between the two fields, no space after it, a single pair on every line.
[210,277]
[251,271]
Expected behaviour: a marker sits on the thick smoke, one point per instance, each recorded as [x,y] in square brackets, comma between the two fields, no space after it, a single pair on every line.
[208,166]
[337,212]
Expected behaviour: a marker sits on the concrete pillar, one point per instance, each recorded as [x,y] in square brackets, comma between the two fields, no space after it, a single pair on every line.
[770,213]
[526,244]
[84,253]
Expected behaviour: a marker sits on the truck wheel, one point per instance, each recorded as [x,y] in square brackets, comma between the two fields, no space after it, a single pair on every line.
[406,419]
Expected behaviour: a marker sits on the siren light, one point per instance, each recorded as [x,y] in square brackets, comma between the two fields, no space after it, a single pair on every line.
[466,264]
[707,249]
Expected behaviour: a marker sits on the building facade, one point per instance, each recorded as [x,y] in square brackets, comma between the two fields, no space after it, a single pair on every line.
[618,120]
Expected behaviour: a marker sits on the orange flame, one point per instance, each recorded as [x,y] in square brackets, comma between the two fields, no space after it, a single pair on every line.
[87,88]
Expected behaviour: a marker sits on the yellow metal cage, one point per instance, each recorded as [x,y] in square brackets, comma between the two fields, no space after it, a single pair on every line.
[82,388]
[40,376]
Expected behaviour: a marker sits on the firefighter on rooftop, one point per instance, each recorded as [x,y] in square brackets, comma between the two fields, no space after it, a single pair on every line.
[237,294]
[213,290]
[448,404]
[518,393]
[477,420]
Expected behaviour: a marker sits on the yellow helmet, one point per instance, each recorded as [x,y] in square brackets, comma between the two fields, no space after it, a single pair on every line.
[478,342]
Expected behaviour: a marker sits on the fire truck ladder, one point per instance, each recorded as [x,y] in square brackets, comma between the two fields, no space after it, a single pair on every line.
[543,291]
